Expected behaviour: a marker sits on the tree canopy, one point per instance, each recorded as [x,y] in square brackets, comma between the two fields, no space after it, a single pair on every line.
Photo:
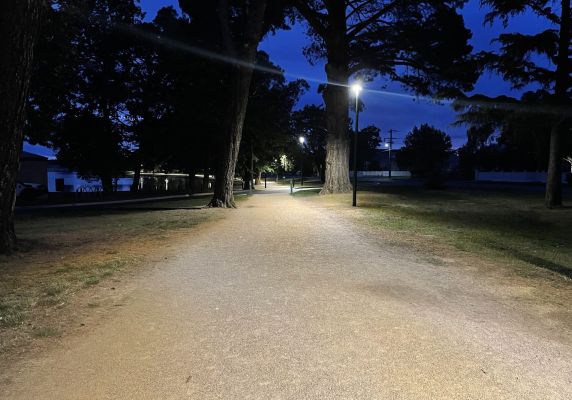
[423,45]
[135,98]
[425,152]
[542,60]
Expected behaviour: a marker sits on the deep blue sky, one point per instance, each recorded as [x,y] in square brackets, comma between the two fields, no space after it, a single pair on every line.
[383,110]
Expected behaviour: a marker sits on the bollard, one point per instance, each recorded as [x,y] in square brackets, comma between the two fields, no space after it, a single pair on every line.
[291,185]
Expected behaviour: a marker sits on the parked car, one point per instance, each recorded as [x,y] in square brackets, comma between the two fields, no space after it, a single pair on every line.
[30,191]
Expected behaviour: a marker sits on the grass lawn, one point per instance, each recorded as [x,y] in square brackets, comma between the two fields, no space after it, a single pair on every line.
[507,226]
[68,252]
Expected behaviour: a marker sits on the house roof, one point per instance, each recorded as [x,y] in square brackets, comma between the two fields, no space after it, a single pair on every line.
[26,156]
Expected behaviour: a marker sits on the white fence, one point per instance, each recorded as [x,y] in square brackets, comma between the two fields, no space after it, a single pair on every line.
[72,182]
[506,176]
[382,174]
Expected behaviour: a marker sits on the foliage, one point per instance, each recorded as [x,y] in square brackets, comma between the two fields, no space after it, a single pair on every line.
[113,93]
[177,108]
[87,144]
[268,129]
[369,140]
[423,45]
[425,152]
[310,122]
[521,135]
[540,60]
[90,61]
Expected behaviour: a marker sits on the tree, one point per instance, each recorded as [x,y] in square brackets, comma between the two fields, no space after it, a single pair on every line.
[241,26]
[368,141]
[85,76]
[268,129]
[86,144]
[19,23]
[177,101]
[425,152]
[311,122]
[516,63]
[422,45]
[507,133]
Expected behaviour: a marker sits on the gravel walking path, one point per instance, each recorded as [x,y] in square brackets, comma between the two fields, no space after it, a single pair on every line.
[285,300]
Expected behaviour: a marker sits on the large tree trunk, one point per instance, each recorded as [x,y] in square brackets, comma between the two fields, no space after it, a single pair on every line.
[226,163]
[554,177]
[19,21]
[206,173]
[136,178]
[336,99]
[206,181]
[106,183]
[247,178]
[191,171]
[337,176]
[243,49]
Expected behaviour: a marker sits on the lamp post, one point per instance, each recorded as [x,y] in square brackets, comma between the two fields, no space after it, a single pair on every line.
[302,140]
[277,168]
[356,89]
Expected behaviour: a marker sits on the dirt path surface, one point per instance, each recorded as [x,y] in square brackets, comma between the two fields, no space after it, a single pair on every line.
[286,300]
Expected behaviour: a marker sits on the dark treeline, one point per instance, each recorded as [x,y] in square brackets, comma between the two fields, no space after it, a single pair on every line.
[536,127]
[112,93]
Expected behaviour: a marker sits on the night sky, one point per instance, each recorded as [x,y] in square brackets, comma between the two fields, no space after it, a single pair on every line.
[385,110]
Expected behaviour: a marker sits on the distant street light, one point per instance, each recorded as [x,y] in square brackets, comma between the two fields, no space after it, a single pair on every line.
[356,89]
[302,140]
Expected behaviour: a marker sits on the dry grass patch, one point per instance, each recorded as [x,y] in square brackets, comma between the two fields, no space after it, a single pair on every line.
[46,332]
[65,253]
[508,227]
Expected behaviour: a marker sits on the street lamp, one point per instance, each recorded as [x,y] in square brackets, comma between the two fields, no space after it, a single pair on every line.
[356,89]
[277,171]
[302,140]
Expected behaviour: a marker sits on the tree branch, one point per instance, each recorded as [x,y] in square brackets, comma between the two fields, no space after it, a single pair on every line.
[546,13]
[357,28]
[225,27]
[314,18]
[356,9]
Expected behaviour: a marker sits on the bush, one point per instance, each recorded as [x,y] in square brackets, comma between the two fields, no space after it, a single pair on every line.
[425,154]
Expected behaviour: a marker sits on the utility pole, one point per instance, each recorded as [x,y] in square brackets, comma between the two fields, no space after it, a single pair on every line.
[390,147]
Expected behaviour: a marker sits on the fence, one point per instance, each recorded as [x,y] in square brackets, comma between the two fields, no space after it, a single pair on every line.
[382,174]
[513,176]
